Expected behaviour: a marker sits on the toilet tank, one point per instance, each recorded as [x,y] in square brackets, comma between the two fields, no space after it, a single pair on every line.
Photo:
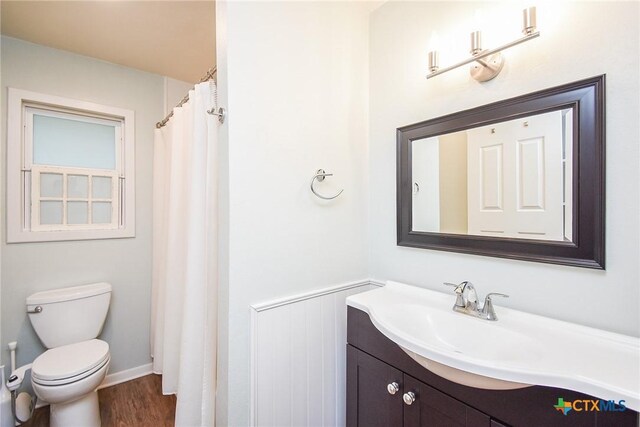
[69,315]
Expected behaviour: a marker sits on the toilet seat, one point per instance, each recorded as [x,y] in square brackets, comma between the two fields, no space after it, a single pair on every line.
[70,363]
[70,380]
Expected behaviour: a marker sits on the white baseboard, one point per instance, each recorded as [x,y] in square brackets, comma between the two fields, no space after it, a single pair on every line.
[126,375]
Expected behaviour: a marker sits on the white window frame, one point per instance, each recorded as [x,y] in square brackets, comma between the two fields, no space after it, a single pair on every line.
[21,214]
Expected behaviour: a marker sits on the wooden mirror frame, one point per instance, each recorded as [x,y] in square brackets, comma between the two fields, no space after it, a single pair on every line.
[587,99]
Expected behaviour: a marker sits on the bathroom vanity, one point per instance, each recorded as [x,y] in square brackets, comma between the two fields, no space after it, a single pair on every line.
[387,386]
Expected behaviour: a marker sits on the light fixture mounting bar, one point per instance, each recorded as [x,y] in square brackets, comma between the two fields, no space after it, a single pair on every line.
[484,54]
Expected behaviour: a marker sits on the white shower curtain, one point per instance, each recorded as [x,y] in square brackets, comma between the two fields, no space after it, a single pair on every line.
[184,291]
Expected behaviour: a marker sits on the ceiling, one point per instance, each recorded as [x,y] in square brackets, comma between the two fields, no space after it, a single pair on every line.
[170,38]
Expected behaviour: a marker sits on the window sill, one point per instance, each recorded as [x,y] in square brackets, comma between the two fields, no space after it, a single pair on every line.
[66,235]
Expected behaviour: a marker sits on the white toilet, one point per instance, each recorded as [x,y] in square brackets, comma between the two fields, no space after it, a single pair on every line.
[66,376]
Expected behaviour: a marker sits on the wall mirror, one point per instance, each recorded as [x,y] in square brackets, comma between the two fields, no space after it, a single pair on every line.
[521,178]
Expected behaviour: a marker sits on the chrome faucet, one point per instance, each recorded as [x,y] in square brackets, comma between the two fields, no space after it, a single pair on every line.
[467,301]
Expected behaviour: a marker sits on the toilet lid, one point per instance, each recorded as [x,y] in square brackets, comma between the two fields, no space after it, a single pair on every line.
[70,360]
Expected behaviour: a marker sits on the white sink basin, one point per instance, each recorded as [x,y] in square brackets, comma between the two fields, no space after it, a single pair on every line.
[467,335]
[517,350]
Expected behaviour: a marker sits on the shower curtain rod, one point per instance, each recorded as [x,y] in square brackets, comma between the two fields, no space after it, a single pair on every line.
[209,76]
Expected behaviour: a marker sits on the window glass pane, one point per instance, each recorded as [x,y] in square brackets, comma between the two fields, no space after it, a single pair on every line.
[50,185]
[50,212]
[77,186]
[101,212]
[66,142]
[101,187]
[77,212]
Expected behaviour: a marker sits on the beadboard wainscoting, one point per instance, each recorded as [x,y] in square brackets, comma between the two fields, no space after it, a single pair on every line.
[298,358]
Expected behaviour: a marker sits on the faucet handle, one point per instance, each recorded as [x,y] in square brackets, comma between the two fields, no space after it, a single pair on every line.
[487,308]
[459,290]
[495,294]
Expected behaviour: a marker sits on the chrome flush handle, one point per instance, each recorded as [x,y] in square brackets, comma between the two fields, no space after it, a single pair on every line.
[36,310]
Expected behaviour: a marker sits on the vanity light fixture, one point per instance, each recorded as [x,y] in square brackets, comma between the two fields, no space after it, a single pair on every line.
[489,62]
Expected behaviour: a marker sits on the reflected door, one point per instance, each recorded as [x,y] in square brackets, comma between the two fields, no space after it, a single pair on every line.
[516,169]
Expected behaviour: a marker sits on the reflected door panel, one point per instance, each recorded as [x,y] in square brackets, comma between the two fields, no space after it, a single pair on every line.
[486,182]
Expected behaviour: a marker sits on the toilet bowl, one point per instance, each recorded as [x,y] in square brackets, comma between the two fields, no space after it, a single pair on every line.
[67,378]
[68,373]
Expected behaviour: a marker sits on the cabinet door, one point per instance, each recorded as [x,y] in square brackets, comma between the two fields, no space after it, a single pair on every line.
[369,403]
[432,408]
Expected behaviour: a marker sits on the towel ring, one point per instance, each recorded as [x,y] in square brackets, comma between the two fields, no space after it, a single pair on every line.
[320,175]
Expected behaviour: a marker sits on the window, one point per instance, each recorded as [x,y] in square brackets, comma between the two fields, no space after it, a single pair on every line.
[70,169]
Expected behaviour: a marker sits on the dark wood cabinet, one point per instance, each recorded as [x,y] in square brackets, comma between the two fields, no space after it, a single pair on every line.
[372,400]
[374,405]
[433,408]
[374,362]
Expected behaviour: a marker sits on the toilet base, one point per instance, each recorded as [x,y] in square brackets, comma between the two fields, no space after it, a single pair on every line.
[83,412]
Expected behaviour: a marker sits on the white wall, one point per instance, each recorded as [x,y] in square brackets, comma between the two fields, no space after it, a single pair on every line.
[296,76]
[125,263]
[579,40]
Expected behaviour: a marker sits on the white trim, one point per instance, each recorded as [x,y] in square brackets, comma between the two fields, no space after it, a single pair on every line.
[67,235]
[312,294]
[126,375]
[81,106]
[18,229]
[253,368]
[15,187]
[58,112]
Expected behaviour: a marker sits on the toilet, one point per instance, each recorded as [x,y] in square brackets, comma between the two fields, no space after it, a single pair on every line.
[68,322]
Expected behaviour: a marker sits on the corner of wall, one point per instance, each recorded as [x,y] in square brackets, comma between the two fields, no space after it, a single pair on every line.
[222,391]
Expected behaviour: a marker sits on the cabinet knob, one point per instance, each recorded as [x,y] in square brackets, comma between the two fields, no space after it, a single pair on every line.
[409,397]
[393,388]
